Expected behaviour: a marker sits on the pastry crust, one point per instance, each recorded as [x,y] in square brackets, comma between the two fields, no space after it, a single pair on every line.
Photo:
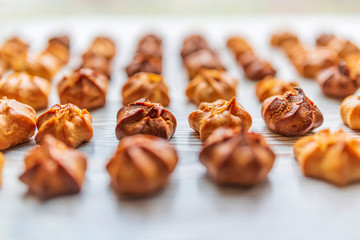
[342,47]
[220,113]
[145,117]
[210,85]
[17,123]
[53,169]
[350,112]
[144,63]
[27,89]
[192,44]
[271,86]
[291,114]
[67,123]
[150,45]
[14,52]
[101,46]
[333,157]
[141,165]
[85,88]
[237,157]
[149,85]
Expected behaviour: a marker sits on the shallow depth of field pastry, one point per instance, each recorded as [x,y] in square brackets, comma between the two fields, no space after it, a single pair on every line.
[192,44]
[85,88]
[334,157]
[149,85]
[150,44]
[291,114]
[271,86]
[141,165]
[17,123]
[210,85]
[336,81]
[145,117]
[342,47]
[2,162]
[220,113]
[238,157]
[27,89]
[14,52]
[67,123]
[350,111]
[53,169]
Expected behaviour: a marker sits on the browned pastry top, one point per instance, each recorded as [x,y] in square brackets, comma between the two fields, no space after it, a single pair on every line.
[271,86]
[145,117]
[144,63]
[150,45]
[101,46]
[192,44]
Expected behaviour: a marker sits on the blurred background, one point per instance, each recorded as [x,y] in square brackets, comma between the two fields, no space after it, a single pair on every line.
[40,8]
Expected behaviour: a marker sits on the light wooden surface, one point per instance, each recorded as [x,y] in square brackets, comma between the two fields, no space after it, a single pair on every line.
[286,206]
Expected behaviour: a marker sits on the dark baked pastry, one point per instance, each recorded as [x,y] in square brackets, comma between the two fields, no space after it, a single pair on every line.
[150,45]
[271,86]
[192,44]
[27,89]
[67,123]
[144,63]
[291,114]
[53,169]
[336,81]
[145,117]
[210,85]
[141,165]
[220,113]
[149,85]
[333,157]
[350,111]
[17,123]
[237,157]
[85,88]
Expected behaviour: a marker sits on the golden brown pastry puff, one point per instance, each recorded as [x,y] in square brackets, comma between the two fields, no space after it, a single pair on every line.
[141,165]
[53,169]
[237,157]
[22,87]
[14,52]
[333,157]
[67,123]
[85,88]
[17,123]
[149,85]
[59,47]
[220,113]
[101,46]
[271,86]
[350,111]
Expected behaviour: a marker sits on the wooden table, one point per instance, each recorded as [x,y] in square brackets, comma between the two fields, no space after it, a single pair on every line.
[286,206]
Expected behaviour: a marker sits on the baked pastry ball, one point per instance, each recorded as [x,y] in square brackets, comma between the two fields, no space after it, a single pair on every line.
[271,86]
[237,157]
[27,89]
[192,44]
[99,64]
[350,111]
[281,38]
[17,123]
[145,117]
[53,169]
[2,162]
[44,65]
[101,46]
[333,157]
[59,47]
[14,52]
[141,165]
[150,45]
[353,63]
[203,58]
[336,81]
[67,123]
[291,114]
[342,47]
[210,85]
[149,85]
[257,69]
[220,113]
[309,64]
[85,88]
[144,63]
[238,46]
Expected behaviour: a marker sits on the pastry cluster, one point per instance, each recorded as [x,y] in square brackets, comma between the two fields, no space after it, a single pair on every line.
[333,157]
[145,117]
[254,67]
[148,56]
[67,123]
[237,157]
[196,54]
[271,86]
[99,55]
[220,113]
[17,123]
[291,114]
[141,165]
[53,169]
